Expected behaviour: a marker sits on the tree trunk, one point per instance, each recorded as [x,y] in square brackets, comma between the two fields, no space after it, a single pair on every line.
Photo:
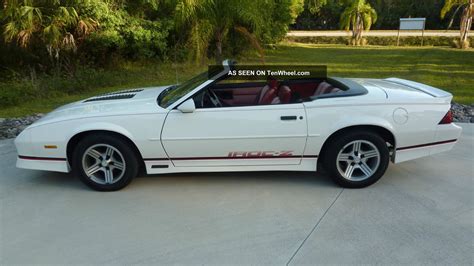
[219,47]
[357,30]
[466,22]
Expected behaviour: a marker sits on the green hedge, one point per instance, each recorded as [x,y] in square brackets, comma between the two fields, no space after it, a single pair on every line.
[378,40]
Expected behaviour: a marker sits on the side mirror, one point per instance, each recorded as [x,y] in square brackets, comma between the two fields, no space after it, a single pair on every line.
[187,107]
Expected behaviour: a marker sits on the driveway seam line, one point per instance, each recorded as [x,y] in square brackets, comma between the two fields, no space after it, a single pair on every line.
[314,227]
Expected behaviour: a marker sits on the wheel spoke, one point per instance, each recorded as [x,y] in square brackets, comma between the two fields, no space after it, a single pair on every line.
[344,157]
[349,170]
[93,169]
[94,154]
[370,154]
[117,165]
[109,176]
[356,147]
[365,169]
[109,152]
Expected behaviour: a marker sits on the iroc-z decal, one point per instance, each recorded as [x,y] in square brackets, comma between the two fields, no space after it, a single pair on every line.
[260,154]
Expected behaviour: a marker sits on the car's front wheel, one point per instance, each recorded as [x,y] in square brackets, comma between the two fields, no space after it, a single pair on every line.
[357,159]
[104,163]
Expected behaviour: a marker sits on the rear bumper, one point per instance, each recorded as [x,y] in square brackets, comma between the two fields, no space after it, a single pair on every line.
[446,132]
[46,164]
[445,138]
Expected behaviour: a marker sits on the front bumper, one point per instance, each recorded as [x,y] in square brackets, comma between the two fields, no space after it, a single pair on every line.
[46,164]
[29,157]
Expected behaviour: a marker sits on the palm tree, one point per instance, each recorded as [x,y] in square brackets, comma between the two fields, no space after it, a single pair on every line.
[211,21]
[358,16]
[467,7]
[54,24]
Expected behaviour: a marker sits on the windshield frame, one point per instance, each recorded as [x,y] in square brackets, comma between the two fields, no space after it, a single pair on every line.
[205,81]
[181,89]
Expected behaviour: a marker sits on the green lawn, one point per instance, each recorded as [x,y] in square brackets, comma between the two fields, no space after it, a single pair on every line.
[446,68]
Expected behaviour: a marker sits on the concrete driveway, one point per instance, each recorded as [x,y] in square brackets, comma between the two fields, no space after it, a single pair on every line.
[419,212]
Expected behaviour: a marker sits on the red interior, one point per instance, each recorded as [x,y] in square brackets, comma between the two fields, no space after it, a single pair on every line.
[245,94]
[269,96]
[305,90]
[284,94]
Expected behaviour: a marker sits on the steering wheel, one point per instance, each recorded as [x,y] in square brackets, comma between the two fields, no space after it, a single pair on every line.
[212,97]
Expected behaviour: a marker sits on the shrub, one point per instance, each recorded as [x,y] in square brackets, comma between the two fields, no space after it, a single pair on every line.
[380,40]
[125,35]
[145,38]
[15,92]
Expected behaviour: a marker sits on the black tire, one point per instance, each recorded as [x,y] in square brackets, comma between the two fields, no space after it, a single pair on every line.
[121,149]
[344,142]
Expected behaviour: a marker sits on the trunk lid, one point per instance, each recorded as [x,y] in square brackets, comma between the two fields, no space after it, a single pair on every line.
[435,92]
[406,91]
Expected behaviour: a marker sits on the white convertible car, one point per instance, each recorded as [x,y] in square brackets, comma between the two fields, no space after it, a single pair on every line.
[350,127]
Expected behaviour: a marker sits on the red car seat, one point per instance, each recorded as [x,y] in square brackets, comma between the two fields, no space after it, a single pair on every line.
[323,88]
[284,93]
[269,96]
[269,92]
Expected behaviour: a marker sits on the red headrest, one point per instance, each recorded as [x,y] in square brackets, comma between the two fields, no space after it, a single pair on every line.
[284,94]
[273,83]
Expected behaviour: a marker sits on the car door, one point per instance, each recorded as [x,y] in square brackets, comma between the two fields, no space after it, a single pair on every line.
[232,136]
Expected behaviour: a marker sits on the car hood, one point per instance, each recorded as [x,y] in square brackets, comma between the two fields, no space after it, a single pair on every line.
[126,102]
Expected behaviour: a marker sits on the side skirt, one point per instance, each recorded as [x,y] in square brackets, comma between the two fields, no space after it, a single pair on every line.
[166,166]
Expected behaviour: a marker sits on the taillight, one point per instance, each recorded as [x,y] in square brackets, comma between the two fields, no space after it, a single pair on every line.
[447,119]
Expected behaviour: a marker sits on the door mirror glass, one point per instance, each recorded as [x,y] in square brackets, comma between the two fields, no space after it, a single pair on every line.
[187,107]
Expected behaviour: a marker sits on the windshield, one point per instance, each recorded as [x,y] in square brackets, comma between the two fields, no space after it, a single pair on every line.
[174,93]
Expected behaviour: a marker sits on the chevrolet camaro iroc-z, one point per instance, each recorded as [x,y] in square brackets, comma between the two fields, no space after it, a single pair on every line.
[352,128]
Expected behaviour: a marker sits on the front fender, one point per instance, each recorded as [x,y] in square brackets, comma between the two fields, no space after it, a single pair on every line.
[100,126]
[59,134]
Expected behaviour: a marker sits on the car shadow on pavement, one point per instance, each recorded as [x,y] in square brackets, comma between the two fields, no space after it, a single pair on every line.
[218,178]
[71,182]
[54,179]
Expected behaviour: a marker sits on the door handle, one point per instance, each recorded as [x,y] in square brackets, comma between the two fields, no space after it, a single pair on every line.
[288,117]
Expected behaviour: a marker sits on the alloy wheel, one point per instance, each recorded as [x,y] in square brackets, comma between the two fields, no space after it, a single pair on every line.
[358,160]
[103,164]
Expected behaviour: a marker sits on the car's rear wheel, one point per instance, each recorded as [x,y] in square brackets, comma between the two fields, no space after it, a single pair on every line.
[357,159]
[104,163]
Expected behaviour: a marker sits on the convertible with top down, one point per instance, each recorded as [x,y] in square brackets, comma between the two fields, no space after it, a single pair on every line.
[350,127]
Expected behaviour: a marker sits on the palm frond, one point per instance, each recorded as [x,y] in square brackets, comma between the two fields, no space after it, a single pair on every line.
[253,40]
[68,42]
[23,38]
[345,19]
[448,5]
[200,36]
[86,26]
[452,17]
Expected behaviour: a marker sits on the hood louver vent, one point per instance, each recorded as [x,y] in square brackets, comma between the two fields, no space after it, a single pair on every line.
[121,92]
[125,94]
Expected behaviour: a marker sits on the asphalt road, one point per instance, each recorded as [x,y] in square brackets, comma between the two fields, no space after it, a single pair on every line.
[380,33]
[420,212]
